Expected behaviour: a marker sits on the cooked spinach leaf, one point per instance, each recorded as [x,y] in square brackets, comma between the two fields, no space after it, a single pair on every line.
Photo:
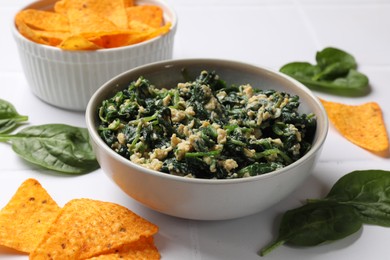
[206,128]
[359,197]
[9,117]
[335,72]
[56,147]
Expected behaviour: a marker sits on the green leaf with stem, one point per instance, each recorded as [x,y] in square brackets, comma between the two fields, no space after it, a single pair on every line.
[9,117]
[368,192]
[359,197]
[57,147]
[335,72]
[315,223]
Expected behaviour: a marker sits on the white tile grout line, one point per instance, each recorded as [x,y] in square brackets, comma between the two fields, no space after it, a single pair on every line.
[194,236]
[307,23]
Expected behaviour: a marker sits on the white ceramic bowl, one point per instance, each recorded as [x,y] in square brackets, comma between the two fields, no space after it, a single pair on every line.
[206,199]
[67,79]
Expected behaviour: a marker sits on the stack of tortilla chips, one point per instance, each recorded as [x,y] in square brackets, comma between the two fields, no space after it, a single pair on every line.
[33,223]
[92,25]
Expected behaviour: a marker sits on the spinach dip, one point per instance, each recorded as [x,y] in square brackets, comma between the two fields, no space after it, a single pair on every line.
[206,128]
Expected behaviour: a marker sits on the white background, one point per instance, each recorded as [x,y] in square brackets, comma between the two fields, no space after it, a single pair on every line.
[267,33]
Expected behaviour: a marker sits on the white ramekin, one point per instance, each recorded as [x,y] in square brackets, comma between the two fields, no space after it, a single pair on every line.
[67,79]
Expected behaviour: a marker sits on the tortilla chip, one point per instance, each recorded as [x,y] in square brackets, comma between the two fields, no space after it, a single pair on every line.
[362,125]
[139,27]
[29,33]
[141,36]
[86,228]
[27,216]
[147,14]
[85,22]
[128,3]
[112,10]
[76,43]
[143,249]
[44,20]
[132,36]
[52,38]
[33,223]
[102,24]
[114,40]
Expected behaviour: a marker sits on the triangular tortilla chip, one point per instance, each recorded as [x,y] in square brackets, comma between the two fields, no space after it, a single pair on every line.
[86,228]
[87,22]
[148,14]
[112,10]
[143,249]
[44,20]
[27,217]
[363,125]
[76,43]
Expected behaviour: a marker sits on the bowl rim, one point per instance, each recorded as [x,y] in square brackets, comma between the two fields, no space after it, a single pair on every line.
[317,145]
[162,3]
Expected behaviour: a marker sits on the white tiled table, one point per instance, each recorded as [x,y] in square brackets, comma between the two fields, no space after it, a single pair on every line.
[262,32]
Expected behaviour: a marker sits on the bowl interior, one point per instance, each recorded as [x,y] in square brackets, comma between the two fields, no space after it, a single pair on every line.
[168,73]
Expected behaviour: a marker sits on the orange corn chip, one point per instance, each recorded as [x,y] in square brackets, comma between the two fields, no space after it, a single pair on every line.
[44,20]
[114,40]
[143,249]
[60,7]
[132,36]
[363,125]
[128,3]
[102,24]
[29,33]
[87,22]
[112,10]
[27,216]
[137,26]
[75,43]
[147,14]
[86,228]
[147,35]
[52,38]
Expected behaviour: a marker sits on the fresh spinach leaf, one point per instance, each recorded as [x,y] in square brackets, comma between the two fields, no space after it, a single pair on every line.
[334,63]
[57,147]
[9,117]
[367,191]
[335,72]
[316,223]
[359,197]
